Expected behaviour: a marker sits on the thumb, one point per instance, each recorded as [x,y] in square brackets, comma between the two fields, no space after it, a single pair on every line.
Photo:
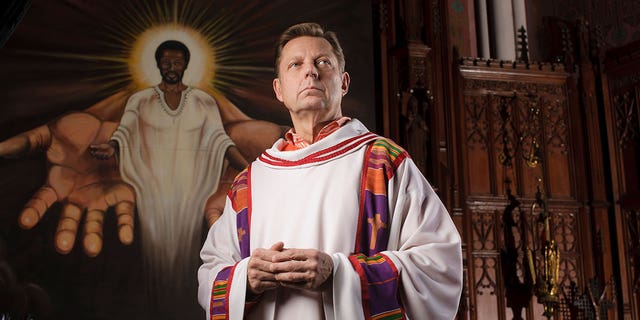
[26,142]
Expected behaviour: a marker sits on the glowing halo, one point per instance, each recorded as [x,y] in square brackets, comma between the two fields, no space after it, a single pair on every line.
[142,63]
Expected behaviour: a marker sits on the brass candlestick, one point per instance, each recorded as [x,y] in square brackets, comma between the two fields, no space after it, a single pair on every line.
[545,277]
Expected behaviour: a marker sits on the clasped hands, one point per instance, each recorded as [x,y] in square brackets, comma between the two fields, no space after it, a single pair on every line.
[306,269]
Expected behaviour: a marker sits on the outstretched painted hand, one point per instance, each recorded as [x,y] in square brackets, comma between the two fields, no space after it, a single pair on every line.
[84,185]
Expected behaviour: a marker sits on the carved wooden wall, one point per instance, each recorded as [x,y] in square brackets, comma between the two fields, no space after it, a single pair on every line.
[621,100]
[489,134]
[515,135]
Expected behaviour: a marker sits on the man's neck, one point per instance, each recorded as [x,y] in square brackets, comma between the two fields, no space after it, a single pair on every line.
[307,125]
[168,87]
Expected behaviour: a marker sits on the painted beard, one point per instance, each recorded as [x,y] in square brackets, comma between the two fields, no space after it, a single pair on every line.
[172,77]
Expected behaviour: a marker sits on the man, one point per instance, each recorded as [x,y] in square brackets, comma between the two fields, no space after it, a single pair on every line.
[171,147]
[333,222]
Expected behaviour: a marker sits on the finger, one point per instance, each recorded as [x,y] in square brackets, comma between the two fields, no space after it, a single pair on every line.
[258,263]
[124,212]
[258,287]
[259,280]
[291,266]
[123,198]
[93,232]
[292,254]
[67,228]
[94,151]
[37,207]
[14,147]
[294,277]
[263,254]
[260,275]
[307,280]
[101,152]
[18,146]
[278,246]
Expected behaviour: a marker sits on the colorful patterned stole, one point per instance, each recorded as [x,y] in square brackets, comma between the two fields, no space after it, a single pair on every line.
[378,274]
[240,196]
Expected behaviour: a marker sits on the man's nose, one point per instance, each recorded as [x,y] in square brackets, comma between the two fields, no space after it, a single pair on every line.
[312,72]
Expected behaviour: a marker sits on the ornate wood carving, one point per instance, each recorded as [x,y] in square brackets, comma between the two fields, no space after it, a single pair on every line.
[566,233]
[476,122]
[621,88]
[632,236]
[626,122]
[528,112]
[515,126]
[542,135]
[486,283]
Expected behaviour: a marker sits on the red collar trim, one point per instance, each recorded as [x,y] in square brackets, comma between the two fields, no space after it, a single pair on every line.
[321,155]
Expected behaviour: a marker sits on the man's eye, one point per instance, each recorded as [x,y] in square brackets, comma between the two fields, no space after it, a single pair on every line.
[294,65]
[324,62]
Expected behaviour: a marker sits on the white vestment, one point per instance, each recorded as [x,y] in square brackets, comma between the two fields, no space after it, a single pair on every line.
[173,159]
[312,198]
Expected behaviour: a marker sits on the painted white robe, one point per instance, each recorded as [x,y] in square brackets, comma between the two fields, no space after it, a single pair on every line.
[173,159]
[395,250]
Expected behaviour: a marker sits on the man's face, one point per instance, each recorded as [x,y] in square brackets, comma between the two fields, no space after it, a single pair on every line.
[172,65]
[309,77]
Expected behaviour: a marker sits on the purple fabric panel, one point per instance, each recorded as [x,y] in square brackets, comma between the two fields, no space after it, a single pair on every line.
[375,204]
[382,288]
[242,223]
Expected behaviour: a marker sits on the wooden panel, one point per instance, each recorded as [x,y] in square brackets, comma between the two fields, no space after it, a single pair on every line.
[477,144]
[515,124]
[556,146]
[625,104]
[486,264]
[537,126]
[622,112]
[486,111]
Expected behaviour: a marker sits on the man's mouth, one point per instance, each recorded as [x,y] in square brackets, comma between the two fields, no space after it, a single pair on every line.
[310,89]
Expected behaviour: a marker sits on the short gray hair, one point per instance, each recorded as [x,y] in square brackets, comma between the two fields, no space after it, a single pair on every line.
[309,29]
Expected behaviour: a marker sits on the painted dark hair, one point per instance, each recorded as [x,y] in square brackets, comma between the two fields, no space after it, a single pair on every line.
[173,45]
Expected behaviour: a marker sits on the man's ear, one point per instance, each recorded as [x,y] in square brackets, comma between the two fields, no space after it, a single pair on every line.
[346,80]
[276,89]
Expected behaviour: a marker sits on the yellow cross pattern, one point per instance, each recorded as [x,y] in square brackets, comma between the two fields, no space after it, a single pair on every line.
[376,224]
[241,232]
